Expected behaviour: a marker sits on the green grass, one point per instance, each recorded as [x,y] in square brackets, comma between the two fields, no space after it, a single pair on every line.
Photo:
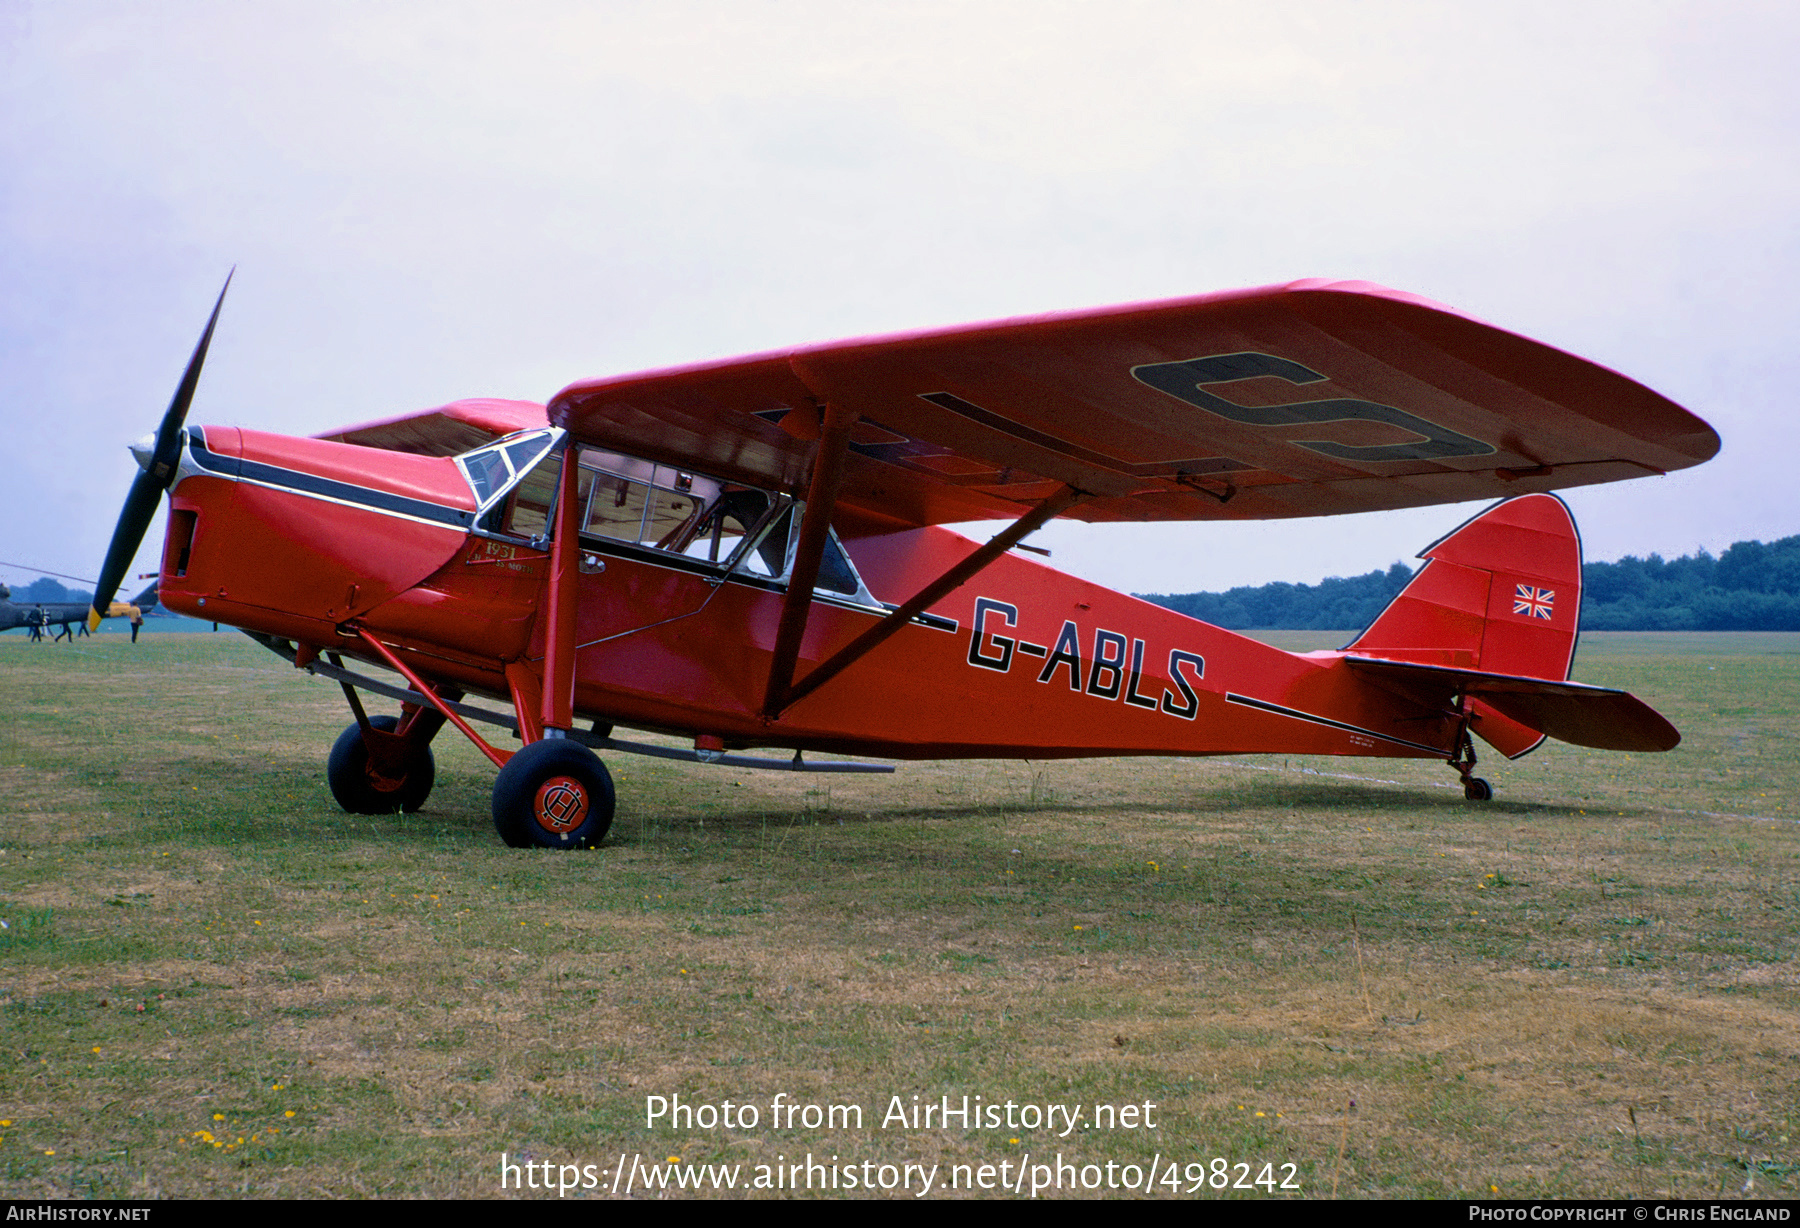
[1584,988]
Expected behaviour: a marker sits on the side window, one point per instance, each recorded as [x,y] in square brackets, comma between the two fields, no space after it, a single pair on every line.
[655,506]
[769,558]
[528,509]
[774,557]
[835,573]
[616,508]
[724,525]
[672,519]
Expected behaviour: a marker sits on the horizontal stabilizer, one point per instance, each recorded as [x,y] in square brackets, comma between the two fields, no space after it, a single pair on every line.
[1567,711]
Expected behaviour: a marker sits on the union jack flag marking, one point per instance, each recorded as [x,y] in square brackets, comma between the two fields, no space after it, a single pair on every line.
[1533,602]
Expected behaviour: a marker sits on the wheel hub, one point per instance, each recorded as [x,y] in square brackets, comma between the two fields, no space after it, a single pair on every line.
[561,805]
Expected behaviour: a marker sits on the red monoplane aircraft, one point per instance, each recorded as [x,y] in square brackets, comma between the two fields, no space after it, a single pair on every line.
[748,553]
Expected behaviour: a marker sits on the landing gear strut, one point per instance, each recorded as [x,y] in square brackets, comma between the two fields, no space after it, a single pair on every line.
[380,764]
[396,780]
[1475,788]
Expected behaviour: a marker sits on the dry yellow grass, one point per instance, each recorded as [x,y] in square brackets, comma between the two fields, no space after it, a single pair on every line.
[1585,988]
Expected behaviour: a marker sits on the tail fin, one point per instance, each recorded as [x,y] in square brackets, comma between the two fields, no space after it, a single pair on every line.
[1501,595]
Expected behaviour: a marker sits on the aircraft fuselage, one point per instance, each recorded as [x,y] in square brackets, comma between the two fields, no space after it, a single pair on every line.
[315,542]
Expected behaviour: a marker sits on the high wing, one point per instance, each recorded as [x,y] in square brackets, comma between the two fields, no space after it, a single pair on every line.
[1310,399]
[448,430]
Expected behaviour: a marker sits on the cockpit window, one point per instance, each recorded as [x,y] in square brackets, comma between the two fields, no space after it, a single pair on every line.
[525,453]
[836,575]
[734,515]
[654,507]
[642,503]
[492,469]
[528,509]
[487,472]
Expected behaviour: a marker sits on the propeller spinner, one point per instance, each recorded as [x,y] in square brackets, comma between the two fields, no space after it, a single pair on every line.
[156,461]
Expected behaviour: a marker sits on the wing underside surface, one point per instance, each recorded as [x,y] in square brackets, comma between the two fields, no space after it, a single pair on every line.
[448,430]
[1308,399]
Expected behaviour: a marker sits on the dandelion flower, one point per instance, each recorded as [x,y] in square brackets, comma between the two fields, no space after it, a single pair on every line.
[289,1113]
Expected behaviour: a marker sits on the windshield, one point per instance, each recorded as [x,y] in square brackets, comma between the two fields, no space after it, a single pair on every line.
[493,469]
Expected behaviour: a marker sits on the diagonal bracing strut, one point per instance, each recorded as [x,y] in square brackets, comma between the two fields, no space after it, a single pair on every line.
[939,588]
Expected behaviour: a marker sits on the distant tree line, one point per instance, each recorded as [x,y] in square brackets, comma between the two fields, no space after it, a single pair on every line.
[1331,604]
[1754,586]
[44,589]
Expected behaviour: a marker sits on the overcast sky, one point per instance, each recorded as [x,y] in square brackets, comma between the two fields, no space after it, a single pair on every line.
[432,201]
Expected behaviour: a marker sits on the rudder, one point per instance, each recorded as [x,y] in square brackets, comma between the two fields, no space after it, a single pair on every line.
[1500,594]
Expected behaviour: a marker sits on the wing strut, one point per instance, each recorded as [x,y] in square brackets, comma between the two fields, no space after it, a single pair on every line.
[497,757]
[939,588]
[821,501]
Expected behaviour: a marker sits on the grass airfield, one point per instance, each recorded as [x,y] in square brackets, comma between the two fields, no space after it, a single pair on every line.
[213,983]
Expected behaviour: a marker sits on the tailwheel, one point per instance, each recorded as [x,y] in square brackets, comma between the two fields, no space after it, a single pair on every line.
[395,781]
[553,794]
[1478,790]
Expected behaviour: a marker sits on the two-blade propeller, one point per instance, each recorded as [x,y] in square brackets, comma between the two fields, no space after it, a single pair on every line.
[157,472]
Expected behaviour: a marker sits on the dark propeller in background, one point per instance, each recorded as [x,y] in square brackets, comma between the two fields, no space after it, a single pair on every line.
[157,472]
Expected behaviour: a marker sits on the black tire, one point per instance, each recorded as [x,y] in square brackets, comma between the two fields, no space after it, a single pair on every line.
[1478,790]
[347,770]
[553,794]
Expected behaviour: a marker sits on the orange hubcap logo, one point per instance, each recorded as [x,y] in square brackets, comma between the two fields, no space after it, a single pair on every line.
[561,805]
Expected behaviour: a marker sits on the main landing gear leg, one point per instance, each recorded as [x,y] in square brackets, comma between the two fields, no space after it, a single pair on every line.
[1474,787]
[554,792]
[383,764]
